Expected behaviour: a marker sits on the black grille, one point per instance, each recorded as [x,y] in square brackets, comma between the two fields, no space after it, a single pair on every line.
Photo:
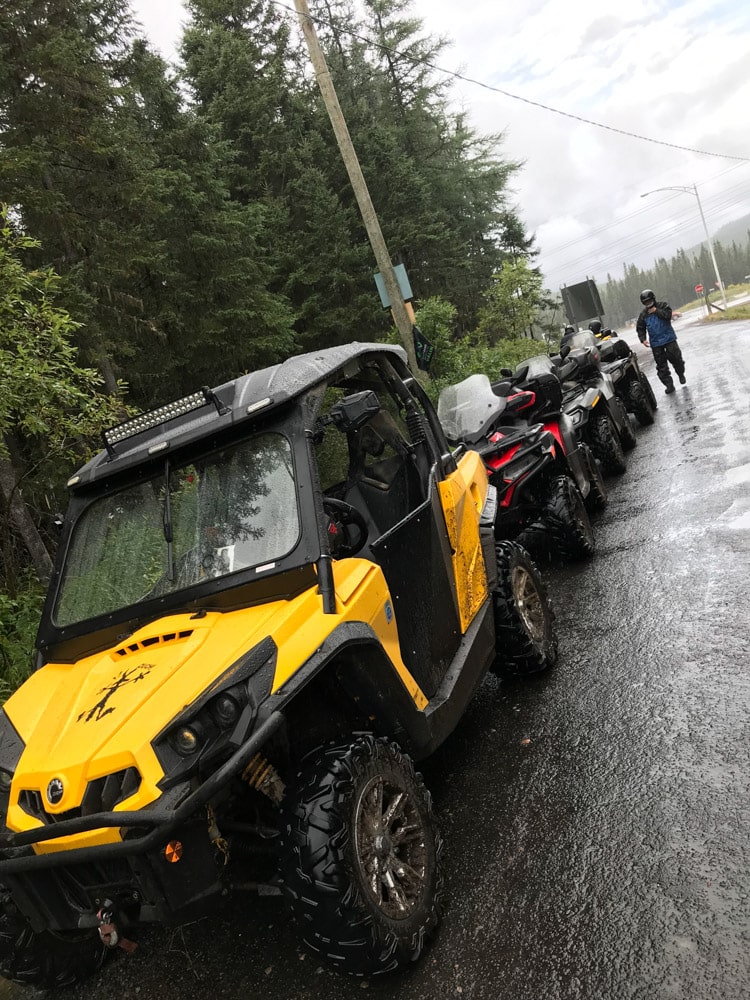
[101,795]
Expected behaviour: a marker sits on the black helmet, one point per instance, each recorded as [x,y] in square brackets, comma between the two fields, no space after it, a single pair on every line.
[569,329]
[647,297]
[595,326]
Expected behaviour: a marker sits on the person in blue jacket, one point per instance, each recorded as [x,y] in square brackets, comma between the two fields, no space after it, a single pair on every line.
[655,330]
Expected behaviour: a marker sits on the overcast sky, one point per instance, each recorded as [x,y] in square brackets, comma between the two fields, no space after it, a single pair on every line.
[674,71]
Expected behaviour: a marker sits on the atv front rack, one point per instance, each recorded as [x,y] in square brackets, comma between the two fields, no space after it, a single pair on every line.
[15,848]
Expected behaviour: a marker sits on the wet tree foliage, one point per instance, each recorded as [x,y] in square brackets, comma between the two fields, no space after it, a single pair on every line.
[172,226]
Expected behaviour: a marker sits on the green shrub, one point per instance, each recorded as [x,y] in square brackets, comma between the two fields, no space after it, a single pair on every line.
[19,619]
[455,360]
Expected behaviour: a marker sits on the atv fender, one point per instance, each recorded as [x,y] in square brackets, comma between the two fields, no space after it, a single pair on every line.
[577,463]
[353,660]
[590,398]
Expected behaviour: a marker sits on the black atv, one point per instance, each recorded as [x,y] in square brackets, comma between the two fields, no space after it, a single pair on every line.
[543,478]
[589,397]
[632,386]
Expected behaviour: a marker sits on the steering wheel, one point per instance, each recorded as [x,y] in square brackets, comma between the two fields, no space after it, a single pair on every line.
[342,516]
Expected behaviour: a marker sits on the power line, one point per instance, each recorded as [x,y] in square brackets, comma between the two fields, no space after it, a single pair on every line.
[506,93]
[606,257]
[683,219]
[618,254]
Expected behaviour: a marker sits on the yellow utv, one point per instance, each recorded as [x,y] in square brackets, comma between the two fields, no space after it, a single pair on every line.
[269,598]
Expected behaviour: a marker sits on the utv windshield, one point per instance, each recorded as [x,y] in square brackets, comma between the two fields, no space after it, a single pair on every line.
[233,510]
[465,410]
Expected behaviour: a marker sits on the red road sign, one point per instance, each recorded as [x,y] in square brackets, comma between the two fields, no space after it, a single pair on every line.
[699,289]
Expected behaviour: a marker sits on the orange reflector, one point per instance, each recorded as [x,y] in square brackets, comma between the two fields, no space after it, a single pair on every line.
[173,851]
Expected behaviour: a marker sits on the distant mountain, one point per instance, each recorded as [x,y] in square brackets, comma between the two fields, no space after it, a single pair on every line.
[737,231]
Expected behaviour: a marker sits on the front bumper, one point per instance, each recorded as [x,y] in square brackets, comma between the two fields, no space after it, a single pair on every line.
[57,888]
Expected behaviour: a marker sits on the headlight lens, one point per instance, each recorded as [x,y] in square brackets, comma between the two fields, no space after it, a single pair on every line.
[226,710]
[185,741]
[6,780]
[210,729]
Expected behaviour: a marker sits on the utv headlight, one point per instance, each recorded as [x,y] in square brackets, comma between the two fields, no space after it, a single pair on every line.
[225,709]
[185,741]
[6,780]
[212,727]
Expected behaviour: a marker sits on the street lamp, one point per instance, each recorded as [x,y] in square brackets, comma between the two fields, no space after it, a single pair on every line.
[694,190]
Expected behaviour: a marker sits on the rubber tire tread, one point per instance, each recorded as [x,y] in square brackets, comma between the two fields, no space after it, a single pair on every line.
[606,445]
[598,497]
[44,959]
[518,653]
[628,440]
[639,404]
[567,522]
[338,920]
[650,395]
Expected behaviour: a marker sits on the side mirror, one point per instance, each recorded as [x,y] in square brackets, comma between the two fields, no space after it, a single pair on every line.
[506,372]
[353,412]
[564,351]
[57,523]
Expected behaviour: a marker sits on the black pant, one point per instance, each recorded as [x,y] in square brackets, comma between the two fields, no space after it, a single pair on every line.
[662,356]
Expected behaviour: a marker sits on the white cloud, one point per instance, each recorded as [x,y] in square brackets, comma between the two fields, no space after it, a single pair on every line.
[671,71]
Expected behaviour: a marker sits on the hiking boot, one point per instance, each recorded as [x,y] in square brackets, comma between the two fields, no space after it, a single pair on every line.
[669,389]
[682,378]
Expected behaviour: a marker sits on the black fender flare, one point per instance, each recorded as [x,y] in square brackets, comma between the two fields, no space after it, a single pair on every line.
[364,671]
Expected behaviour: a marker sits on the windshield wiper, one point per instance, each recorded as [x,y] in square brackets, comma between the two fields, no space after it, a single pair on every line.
[167,524]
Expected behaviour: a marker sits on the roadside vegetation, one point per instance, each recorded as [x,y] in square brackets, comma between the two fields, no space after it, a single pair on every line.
[733,312]
[166,229]
[741,288]
[674,279]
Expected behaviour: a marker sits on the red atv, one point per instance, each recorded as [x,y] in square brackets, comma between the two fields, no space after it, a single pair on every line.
[545,479]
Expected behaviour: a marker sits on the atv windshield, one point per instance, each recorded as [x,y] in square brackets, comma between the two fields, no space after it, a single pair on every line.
[468,409]
[231,511]
[583,340]
[539,364]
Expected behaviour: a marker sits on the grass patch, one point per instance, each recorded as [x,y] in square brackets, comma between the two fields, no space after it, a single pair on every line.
[733,312]
[730,290]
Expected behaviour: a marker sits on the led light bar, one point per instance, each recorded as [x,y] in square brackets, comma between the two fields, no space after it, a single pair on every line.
[152,418]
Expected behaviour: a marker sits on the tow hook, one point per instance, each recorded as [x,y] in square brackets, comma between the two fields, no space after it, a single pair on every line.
[108,932]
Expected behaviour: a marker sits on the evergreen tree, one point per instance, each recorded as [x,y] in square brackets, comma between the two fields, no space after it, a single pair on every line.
[129,196]
[207,290]
[70,163]
[439,187]
[248,81]
[49,404]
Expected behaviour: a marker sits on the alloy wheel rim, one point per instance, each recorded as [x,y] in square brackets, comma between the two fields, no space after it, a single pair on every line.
[390,847]
[528,603]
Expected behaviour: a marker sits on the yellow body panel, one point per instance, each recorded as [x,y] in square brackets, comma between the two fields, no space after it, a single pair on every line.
[95,717]
[462,496]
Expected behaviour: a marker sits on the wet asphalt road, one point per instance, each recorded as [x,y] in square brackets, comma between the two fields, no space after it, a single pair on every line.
[596,820]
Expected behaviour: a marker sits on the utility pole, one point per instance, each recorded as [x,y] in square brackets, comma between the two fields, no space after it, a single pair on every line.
[359,185]
[710,248]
